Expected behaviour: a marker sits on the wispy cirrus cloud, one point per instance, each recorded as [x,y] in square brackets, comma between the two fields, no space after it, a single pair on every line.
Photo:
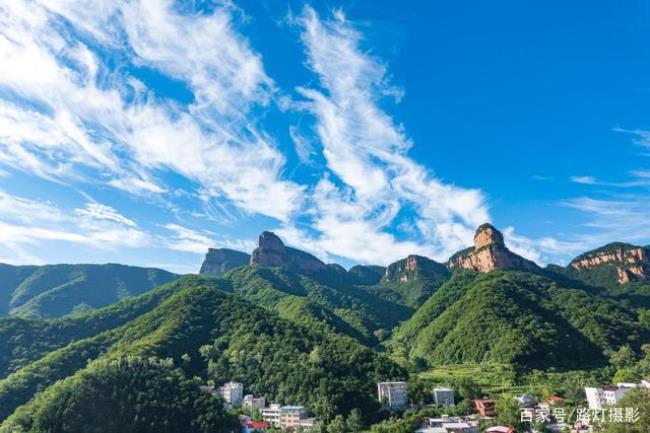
[25,222]
[622,218]
[619,210]
[585,180]
[194,241]
[370,180]
[68,114]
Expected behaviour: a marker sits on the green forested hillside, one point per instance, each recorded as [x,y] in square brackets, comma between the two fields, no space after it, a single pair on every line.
[131,394]
[518,318]
[55,290]
[217,336]
[23,341]
[347,309]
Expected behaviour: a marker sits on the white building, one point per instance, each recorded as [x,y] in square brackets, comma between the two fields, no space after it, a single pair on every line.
[256,403]
[271,414]
[451,424]
[443,396]
[431,430]
[392,394]
[461,427]
[232,393]
[597,398]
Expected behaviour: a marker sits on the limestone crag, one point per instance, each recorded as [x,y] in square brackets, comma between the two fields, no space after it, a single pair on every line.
[220,260]
[271,251]
[411,268]
[631,262]
[489,253]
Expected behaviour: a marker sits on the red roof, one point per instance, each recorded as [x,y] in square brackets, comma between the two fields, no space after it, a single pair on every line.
[556,398]
[257,424]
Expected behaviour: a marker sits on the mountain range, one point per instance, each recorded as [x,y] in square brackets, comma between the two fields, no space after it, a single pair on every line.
[299,330]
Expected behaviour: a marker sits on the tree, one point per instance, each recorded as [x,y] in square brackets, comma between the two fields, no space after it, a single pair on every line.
[417,392]
[637,399]
[630,375]
[418,364]
[644,317]
[623,358]
[509,412]
[468,389]
[354,421]
[337,425]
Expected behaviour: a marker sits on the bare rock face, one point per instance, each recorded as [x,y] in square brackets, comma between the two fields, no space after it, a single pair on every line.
[271,251]
[412,268]
[489,253]
[632,262]
[220,260]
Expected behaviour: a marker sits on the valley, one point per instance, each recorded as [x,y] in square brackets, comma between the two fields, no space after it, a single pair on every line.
[298,331]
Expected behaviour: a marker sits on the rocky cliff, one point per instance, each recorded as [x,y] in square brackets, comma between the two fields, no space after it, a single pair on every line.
[490,252]
[411,268]
[220,260]
[631,262]
[271,251]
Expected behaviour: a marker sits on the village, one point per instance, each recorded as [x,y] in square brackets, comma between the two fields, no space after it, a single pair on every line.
[393,395]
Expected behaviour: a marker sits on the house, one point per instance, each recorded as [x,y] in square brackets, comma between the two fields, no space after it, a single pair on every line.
[461,427]
[431,430]
[254,403]
[597,398]
[290,416]
[443,396]
[307,423]
[438,422]
[485,407]
[500,429]
[392,394]
[257,426]
[271,414]
[232,393]
[287,417]
[451,424]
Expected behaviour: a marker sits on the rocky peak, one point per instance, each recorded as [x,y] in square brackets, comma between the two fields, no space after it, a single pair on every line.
[220,260]
[631,262]
[487,235]
[489,253]
[271,251]
[412,268]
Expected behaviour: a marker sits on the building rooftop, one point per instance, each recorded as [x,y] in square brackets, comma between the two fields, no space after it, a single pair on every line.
[448,425]
[432,430]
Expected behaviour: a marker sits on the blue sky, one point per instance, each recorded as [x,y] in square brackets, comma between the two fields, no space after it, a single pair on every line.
[144,132]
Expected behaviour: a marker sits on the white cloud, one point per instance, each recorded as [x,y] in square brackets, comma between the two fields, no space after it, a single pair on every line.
[542,250]
[197,242]
[585,180]
[25,222]
[367,152]
[624,218]
[65,115]
[100,212]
